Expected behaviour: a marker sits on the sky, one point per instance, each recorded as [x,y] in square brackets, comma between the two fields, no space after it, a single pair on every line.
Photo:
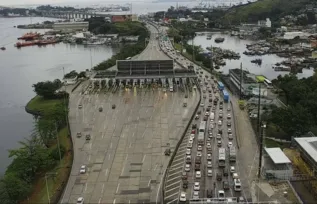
[30,2]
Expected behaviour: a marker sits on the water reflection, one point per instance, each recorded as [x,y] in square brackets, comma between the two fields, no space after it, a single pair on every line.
[239,45]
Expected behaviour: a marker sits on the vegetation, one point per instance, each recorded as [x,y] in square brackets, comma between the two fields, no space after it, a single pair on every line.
[300,95]
[39,153]
[128,50]
[260,10]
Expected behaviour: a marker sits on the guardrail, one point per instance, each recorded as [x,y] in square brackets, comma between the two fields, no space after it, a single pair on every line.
[178,144]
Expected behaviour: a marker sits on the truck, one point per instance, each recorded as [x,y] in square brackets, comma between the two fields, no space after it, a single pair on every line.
[232,154]
[222,157]
[201,138]
[220,85]
[212,116]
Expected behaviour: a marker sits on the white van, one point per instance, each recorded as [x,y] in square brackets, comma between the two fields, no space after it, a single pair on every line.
[171,89]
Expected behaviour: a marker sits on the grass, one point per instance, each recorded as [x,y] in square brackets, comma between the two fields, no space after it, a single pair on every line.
[40,104]
[39,192]
[271,143]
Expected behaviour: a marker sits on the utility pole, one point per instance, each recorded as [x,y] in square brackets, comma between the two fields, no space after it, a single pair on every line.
[259,104]
[261,133]
[241,77]
[193,58]
[58,145]
[47,191]
[65,105]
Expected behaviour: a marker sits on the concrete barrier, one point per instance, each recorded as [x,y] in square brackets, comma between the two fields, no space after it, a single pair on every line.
[178,144]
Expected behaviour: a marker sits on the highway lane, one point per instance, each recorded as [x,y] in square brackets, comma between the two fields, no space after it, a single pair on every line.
[207,183]
[125,157]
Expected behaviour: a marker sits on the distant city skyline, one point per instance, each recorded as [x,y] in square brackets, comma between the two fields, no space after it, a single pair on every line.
[32,2]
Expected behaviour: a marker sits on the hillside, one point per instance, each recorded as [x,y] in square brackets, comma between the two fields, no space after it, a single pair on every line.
[262,9]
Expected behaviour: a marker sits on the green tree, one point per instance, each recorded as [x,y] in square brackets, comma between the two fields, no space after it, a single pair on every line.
[16,188]
[46,130]
[47,89]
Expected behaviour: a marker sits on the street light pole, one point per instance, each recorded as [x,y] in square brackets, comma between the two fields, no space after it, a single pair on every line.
[58,145]
[48,193]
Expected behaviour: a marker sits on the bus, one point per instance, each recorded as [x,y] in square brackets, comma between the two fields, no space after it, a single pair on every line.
[268,83]
[222,157]
[225,96]
[201,132]
[237,185]
[128,58]
[220,86]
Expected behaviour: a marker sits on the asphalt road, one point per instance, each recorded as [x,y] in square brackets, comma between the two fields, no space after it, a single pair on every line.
[125,157]
[244,165]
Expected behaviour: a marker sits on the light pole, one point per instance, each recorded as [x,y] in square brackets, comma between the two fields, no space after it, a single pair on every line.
[66,112]
[47,191]
[262,130]
[58,145]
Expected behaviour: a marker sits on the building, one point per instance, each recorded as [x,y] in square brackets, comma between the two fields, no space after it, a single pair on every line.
[69,81]
[123,18]
[276,164]
[266,23]
[71,26]
[307,147]
[249,84]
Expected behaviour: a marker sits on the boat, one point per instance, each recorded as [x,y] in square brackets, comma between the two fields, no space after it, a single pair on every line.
[219,40]
[2,48]
[24,44]
[257,61]
[209,37]
[29,36]
[46,42]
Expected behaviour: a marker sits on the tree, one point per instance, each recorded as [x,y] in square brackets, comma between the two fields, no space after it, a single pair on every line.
[16,188]
[47,89]
[46,130]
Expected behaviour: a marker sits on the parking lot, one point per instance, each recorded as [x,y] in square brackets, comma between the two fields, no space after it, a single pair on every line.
[124,157]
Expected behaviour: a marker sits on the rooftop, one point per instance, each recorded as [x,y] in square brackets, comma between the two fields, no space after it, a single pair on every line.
[309,144]
[245,74]
[277,155]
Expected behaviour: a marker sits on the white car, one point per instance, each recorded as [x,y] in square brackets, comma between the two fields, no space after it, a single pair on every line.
[82,169]
[232,169]
[202,104]
[199,148]
[211,126]
[188,151]
[190,145]
[187,167]
[196,186]
[190,140]
[196,195]
[192,136]
[229,116]
[199,154]
[235,175]
[209,172]
[80,200]
[210,134]
[198,174]
[207,113]
[219,122]
[229,144]
[209,164]
[208,144]
[182,197]
[229,109]
[229,131]
[211,121]
[209,157]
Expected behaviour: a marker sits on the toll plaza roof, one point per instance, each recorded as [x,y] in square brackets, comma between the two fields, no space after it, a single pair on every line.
[277,155]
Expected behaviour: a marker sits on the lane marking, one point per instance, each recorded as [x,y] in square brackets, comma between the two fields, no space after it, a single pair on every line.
[108,156]
[99,201]
[103,186]
[85,187]
[118,188]
[168,181]
[149,182]
[155,167]
[89,157]
[173,174]
[130,145]
[111,145]
[114,201]
[172,189]
[172,201]
[159,188]
[143,158]
[171,195]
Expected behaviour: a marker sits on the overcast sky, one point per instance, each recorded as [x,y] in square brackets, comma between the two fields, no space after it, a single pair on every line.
[29,2]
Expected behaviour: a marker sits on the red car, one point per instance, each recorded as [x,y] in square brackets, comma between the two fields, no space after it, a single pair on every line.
[193,131]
